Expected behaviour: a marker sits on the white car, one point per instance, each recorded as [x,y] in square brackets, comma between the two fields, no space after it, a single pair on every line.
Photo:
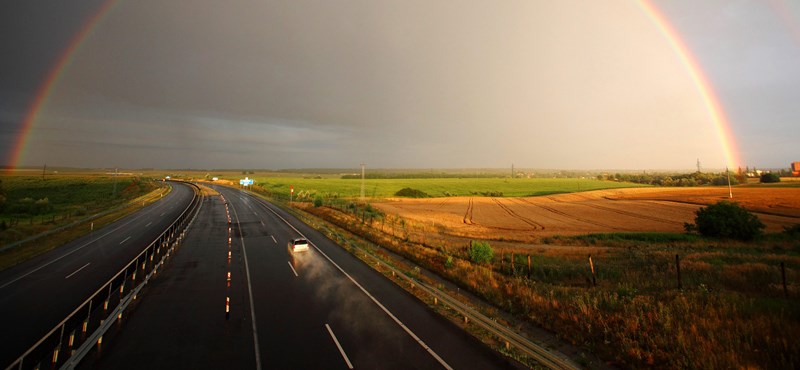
[298,245]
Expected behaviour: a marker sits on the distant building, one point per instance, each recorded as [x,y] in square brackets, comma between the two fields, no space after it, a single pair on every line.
[795,169]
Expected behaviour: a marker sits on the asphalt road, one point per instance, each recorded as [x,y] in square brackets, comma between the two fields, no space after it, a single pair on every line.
[321,309]
[36,295]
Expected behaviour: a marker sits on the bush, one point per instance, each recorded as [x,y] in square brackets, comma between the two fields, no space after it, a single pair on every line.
[728,220]
[480,252]
[793,230]
[411,193]
[318,201]
[770,177]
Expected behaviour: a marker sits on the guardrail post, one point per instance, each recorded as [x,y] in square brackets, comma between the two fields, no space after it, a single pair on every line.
[88,316]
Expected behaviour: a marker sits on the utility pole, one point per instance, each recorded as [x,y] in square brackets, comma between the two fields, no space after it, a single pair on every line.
[512,170]
[44,169]
[730,189]
[115,182]
[362,182]
[698,165]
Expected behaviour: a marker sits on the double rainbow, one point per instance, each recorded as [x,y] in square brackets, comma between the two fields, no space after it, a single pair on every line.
[699,79]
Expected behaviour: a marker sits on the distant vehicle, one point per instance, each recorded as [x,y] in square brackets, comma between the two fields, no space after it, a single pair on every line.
[298,245]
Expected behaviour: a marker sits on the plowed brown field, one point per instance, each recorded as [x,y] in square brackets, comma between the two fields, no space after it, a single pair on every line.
[621,210]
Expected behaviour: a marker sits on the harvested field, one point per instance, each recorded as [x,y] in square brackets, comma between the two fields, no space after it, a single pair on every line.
[618,210]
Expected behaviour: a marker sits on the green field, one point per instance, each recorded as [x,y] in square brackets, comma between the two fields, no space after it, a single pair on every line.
[383,188]
[34,205]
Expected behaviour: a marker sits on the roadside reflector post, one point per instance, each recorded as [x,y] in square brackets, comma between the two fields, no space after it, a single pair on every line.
[227,308]
[591,266]
[466,320]
[435,301]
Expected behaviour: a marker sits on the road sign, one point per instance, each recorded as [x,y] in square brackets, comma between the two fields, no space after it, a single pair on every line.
[246,181]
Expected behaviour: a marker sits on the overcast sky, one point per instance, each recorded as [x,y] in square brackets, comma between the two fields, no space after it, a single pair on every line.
[411,83]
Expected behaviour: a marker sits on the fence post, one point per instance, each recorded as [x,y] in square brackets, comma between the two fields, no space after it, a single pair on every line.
[529,266]
[591,266]
[678,268]
[513,271]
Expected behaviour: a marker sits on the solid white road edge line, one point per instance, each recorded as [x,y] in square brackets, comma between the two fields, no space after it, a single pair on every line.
[147,210]
[249,290]
[293,270]
[341,350]
[407,330]
[76,271]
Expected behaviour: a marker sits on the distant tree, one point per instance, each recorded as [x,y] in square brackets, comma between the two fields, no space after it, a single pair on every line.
[770,177]
[480,252]
[726,220]
[318,201]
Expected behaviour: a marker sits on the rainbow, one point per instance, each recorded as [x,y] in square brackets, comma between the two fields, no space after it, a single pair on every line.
[712,104]
[53,77]
[700,81]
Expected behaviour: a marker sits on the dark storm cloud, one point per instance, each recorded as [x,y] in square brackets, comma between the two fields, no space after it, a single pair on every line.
[397,83]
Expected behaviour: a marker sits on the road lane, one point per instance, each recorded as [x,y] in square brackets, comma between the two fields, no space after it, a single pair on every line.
[180,322]
[457,348]
[318,313]
[35,295]
[382,326]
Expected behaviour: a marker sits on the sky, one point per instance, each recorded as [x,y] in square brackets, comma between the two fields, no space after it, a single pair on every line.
[398,84]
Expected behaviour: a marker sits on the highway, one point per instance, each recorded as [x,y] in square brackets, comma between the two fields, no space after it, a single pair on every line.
[321,309]
[36,295]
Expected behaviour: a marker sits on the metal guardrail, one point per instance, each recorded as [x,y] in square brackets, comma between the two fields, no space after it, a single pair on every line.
[82,330]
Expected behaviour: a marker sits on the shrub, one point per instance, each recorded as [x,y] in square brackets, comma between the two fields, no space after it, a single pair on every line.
[448,262]
[411,193]
[770,177]
[42,206]
[318,201]
[728,220]
[480,252]
[793,230]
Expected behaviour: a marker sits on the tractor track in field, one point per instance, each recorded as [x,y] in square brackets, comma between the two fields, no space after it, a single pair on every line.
[468,214]
[567,215]
[620,212]
[536,226]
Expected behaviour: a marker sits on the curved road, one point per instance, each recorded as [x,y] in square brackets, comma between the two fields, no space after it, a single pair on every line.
[36,295]
[322,309]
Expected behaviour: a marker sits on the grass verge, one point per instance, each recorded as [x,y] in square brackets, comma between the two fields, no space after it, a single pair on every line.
[26,251]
